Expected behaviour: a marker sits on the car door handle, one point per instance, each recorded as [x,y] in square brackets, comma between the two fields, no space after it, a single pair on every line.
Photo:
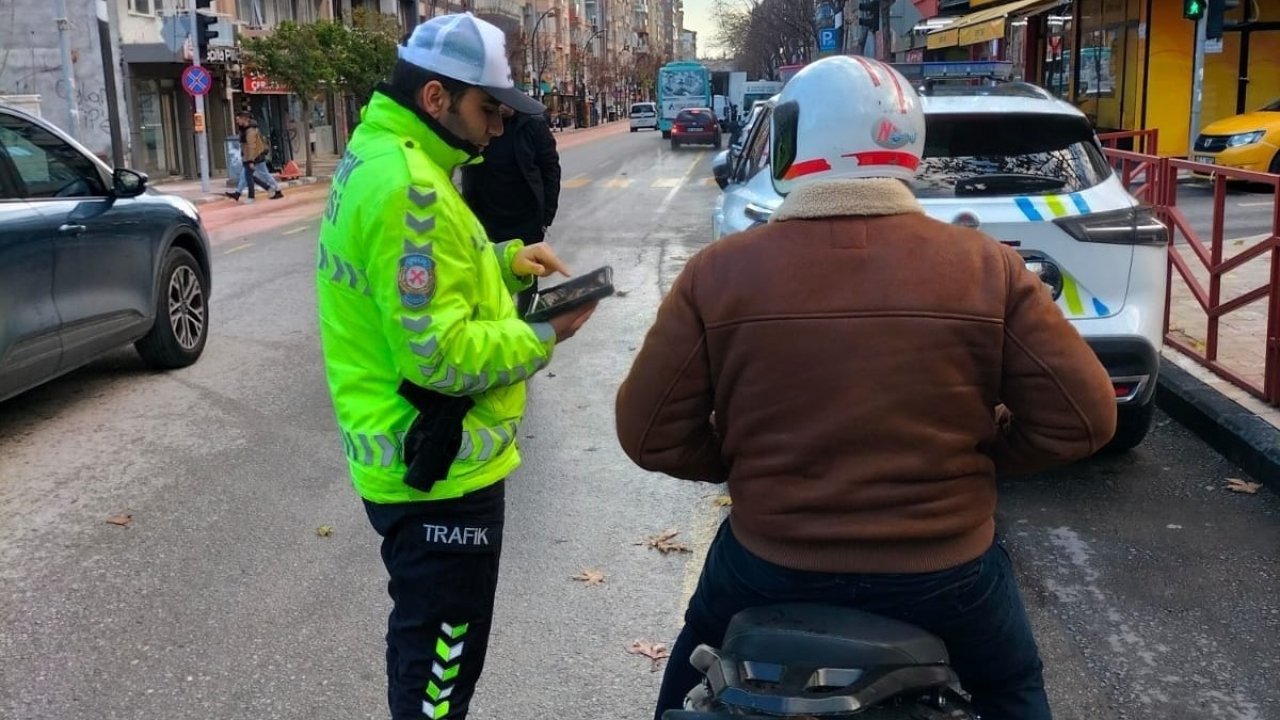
[758,213]
[71,229]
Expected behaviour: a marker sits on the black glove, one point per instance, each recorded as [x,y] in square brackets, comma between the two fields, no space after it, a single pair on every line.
[434,438]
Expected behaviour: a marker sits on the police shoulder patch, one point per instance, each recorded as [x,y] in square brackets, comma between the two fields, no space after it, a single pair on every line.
[417,279]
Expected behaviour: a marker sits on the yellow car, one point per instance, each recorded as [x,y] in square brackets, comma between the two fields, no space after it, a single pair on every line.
[1250,141]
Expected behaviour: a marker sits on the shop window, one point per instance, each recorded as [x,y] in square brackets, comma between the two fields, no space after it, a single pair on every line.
[145,7]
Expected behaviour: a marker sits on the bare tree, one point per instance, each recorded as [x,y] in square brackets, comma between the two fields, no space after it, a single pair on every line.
[764,35]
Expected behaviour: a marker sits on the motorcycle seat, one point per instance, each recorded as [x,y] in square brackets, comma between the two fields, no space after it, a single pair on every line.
[825,636]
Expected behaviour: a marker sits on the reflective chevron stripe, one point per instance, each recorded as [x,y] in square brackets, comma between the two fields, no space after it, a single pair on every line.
[445,669]
[379,449]
[482,444]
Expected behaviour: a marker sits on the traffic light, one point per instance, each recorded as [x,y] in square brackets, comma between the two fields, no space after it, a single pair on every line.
[1193,9]
[1215,17]
[869,15]
[204,26]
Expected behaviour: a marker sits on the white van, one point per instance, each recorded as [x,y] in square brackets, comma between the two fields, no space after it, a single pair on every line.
[644,115]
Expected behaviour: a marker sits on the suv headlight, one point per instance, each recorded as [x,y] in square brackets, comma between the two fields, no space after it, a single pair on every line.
[1131,226]
[1248,138]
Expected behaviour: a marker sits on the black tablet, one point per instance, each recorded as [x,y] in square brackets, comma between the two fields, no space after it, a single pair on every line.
[571,294]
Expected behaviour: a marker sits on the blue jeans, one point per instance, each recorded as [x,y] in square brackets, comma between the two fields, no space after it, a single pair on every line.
[261,173]
[974,608]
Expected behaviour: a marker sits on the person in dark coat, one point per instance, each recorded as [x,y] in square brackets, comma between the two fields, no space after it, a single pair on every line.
[516,190]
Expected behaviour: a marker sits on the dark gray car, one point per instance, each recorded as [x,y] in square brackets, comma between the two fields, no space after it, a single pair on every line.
[90,259]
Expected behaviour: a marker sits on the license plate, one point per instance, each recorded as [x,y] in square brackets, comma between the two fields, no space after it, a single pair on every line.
[1208,159]
[694,128]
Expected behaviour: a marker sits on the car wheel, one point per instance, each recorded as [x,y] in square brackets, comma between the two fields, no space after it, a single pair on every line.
[633,129]
[1132,424]
[182,314]
[666,134]
[1275,163]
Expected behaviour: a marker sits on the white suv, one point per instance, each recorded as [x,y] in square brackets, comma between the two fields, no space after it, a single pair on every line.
[644,115]
[1027,169]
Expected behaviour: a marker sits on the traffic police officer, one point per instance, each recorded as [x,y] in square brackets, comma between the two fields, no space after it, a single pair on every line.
[425,354]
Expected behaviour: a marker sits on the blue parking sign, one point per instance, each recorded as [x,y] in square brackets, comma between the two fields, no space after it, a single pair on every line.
[828,39]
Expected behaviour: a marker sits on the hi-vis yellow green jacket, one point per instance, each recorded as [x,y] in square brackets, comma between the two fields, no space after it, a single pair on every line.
[410,288]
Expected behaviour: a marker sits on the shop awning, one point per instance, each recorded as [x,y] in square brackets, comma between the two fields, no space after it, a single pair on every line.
[986,24]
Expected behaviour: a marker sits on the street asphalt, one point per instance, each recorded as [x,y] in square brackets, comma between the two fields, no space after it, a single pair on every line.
[1153,588]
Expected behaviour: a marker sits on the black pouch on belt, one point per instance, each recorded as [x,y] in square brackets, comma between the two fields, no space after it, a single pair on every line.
[434,438]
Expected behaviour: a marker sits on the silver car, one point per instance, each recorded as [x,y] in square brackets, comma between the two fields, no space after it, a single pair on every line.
[90,260]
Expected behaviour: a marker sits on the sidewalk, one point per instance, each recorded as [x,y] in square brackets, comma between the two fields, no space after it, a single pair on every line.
[1243,428]
[322,167]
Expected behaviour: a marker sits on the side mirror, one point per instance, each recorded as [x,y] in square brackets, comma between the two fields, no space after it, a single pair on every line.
[720,168]
[128,183]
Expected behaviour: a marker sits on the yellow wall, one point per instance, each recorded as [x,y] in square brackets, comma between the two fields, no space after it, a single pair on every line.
[1171,40]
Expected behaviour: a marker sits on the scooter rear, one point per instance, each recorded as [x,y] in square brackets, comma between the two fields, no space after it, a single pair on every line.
[807,661]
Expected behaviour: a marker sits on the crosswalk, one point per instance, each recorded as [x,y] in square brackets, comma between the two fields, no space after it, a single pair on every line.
[619,182]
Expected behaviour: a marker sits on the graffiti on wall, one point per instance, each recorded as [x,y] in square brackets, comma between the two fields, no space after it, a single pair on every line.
[91,104]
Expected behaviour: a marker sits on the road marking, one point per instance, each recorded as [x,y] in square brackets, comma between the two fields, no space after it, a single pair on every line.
[711,182]
[294,231]
[1267,203]
[577,182]
[618,182]
[667,182]
[238,248]
[671,194]
[1248,239]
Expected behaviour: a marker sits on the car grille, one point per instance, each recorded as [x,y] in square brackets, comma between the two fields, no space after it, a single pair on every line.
[1212,143]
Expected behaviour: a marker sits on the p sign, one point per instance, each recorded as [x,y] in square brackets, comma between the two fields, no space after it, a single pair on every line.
[828,39]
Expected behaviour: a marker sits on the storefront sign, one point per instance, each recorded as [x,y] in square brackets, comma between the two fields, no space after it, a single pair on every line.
[982,32]
[255,84]
[944,39]
[222,55]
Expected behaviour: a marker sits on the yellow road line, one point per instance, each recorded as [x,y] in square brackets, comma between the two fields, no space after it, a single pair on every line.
[666,182]
[618,182]
[238,248]
[577,182]
[294,231]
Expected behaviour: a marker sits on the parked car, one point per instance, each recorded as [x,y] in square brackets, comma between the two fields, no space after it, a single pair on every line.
[1250,141]
[90,259]
[1049,193]
[644,115]
[695,126]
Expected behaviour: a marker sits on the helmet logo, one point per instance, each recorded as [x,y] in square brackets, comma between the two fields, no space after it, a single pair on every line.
[888,135]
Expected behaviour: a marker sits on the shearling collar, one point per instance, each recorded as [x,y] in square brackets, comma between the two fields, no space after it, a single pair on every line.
[837,198]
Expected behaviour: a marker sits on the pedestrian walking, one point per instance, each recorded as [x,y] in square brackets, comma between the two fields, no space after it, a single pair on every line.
[860,374]
[516,190]
[425,354]
[253,158]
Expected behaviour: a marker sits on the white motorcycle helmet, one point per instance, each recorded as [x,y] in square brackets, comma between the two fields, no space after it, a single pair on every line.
[845,117]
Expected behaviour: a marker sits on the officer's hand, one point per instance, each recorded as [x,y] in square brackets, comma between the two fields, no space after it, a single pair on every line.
[537,259]
[568,324]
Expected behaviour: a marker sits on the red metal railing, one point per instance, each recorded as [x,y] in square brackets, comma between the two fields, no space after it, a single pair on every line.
[1155,180]
[1134,162]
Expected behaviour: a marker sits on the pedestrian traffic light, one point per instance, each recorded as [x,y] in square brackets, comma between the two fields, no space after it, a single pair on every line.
[205,31]
[1216,17]
[869,15]
[1193,9]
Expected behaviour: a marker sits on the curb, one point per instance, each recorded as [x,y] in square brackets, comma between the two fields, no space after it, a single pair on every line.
[1240,436]
[284,185]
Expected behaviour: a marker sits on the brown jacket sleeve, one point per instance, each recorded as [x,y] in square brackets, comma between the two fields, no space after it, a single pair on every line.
[1061,400]
[664,406]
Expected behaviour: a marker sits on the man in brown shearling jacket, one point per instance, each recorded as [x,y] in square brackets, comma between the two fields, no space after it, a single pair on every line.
[860,374]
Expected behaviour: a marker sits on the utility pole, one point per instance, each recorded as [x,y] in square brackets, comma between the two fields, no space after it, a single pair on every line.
[68,72]
[202,139]
[109,76]
[1197,76]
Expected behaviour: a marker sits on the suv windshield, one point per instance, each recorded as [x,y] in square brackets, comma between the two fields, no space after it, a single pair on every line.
[641,108]
[989,155]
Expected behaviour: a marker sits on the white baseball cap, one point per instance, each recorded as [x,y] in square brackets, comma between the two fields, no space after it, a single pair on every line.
[469,50]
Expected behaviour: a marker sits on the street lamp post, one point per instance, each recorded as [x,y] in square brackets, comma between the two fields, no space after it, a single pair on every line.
[582,76]
[533,51]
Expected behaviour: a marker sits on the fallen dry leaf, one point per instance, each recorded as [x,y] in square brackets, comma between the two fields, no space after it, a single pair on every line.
[664,542]
[589,577]
[324,530]
[722,501]
[656,652]
[1243,486]
[121,520]
[621,293]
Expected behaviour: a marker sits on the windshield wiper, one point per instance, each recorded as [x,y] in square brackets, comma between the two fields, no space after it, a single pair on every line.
[1001,183]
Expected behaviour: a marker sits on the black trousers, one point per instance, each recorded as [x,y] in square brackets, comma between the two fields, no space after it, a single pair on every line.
[442,557]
